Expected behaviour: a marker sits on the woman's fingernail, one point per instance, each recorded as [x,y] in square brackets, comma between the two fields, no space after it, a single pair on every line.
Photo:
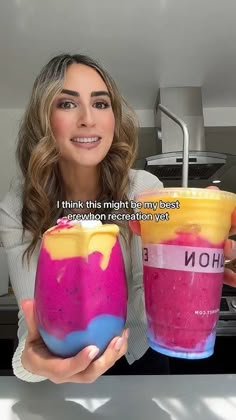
[93,353]
[127,333]
[119,343]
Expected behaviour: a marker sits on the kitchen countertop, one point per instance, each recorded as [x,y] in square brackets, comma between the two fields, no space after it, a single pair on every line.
[206,397]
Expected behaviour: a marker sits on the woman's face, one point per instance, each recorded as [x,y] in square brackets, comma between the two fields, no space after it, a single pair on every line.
[82,118]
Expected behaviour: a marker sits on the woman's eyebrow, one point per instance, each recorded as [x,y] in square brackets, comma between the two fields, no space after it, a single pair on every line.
[95,93]
[100,93]
[70,92]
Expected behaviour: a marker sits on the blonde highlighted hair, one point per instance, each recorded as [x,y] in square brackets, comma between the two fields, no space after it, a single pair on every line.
[38,156]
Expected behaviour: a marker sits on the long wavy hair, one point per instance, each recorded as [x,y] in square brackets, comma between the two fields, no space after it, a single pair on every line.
[38,156]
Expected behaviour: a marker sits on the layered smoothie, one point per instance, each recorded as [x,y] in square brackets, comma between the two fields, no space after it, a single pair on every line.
[183,265]
[80,290]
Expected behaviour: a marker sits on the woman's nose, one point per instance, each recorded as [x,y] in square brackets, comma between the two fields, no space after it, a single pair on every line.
[86,116]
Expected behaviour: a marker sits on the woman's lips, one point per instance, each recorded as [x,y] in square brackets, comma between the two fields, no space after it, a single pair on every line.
[86,142]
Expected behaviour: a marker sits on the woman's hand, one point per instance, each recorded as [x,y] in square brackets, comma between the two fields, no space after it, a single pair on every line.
[229,249]
[37,359]
[230,253]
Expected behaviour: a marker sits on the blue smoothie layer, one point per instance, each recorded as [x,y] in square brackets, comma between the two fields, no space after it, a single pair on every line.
[99,332]
[195,354]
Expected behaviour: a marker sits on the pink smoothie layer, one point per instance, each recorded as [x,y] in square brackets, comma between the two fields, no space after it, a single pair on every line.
[173,296]
[83,292]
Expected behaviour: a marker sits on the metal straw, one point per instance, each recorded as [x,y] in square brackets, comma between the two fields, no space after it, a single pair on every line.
[184,129]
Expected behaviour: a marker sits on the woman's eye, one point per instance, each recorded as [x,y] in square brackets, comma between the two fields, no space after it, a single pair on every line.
[102,105]
[66,105]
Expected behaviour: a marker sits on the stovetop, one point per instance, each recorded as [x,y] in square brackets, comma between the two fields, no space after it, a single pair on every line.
[227,318]
[228,303]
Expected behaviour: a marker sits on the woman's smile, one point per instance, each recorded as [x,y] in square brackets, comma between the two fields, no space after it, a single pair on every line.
[86,142]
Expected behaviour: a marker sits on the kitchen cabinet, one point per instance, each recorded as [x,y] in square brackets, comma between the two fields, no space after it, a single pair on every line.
[8,333]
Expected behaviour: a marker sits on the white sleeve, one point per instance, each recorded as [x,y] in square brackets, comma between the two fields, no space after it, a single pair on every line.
[142,181]
[22,278]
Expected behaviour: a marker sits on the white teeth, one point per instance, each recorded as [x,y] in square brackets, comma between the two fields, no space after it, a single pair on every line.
[85,139]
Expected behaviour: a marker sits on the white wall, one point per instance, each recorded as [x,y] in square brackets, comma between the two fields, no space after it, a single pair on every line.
[9,123]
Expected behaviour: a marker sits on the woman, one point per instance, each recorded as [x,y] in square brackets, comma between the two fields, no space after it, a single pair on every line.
[77,141]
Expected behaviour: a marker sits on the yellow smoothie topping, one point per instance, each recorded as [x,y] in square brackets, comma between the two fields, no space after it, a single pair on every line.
[68,240]
[204,212]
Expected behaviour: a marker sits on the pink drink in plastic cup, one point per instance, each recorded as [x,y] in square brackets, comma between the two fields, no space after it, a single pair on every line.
[183,264]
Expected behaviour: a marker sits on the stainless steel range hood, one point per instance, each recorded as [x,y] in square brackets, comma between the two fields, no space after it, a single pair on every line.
[186,103]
